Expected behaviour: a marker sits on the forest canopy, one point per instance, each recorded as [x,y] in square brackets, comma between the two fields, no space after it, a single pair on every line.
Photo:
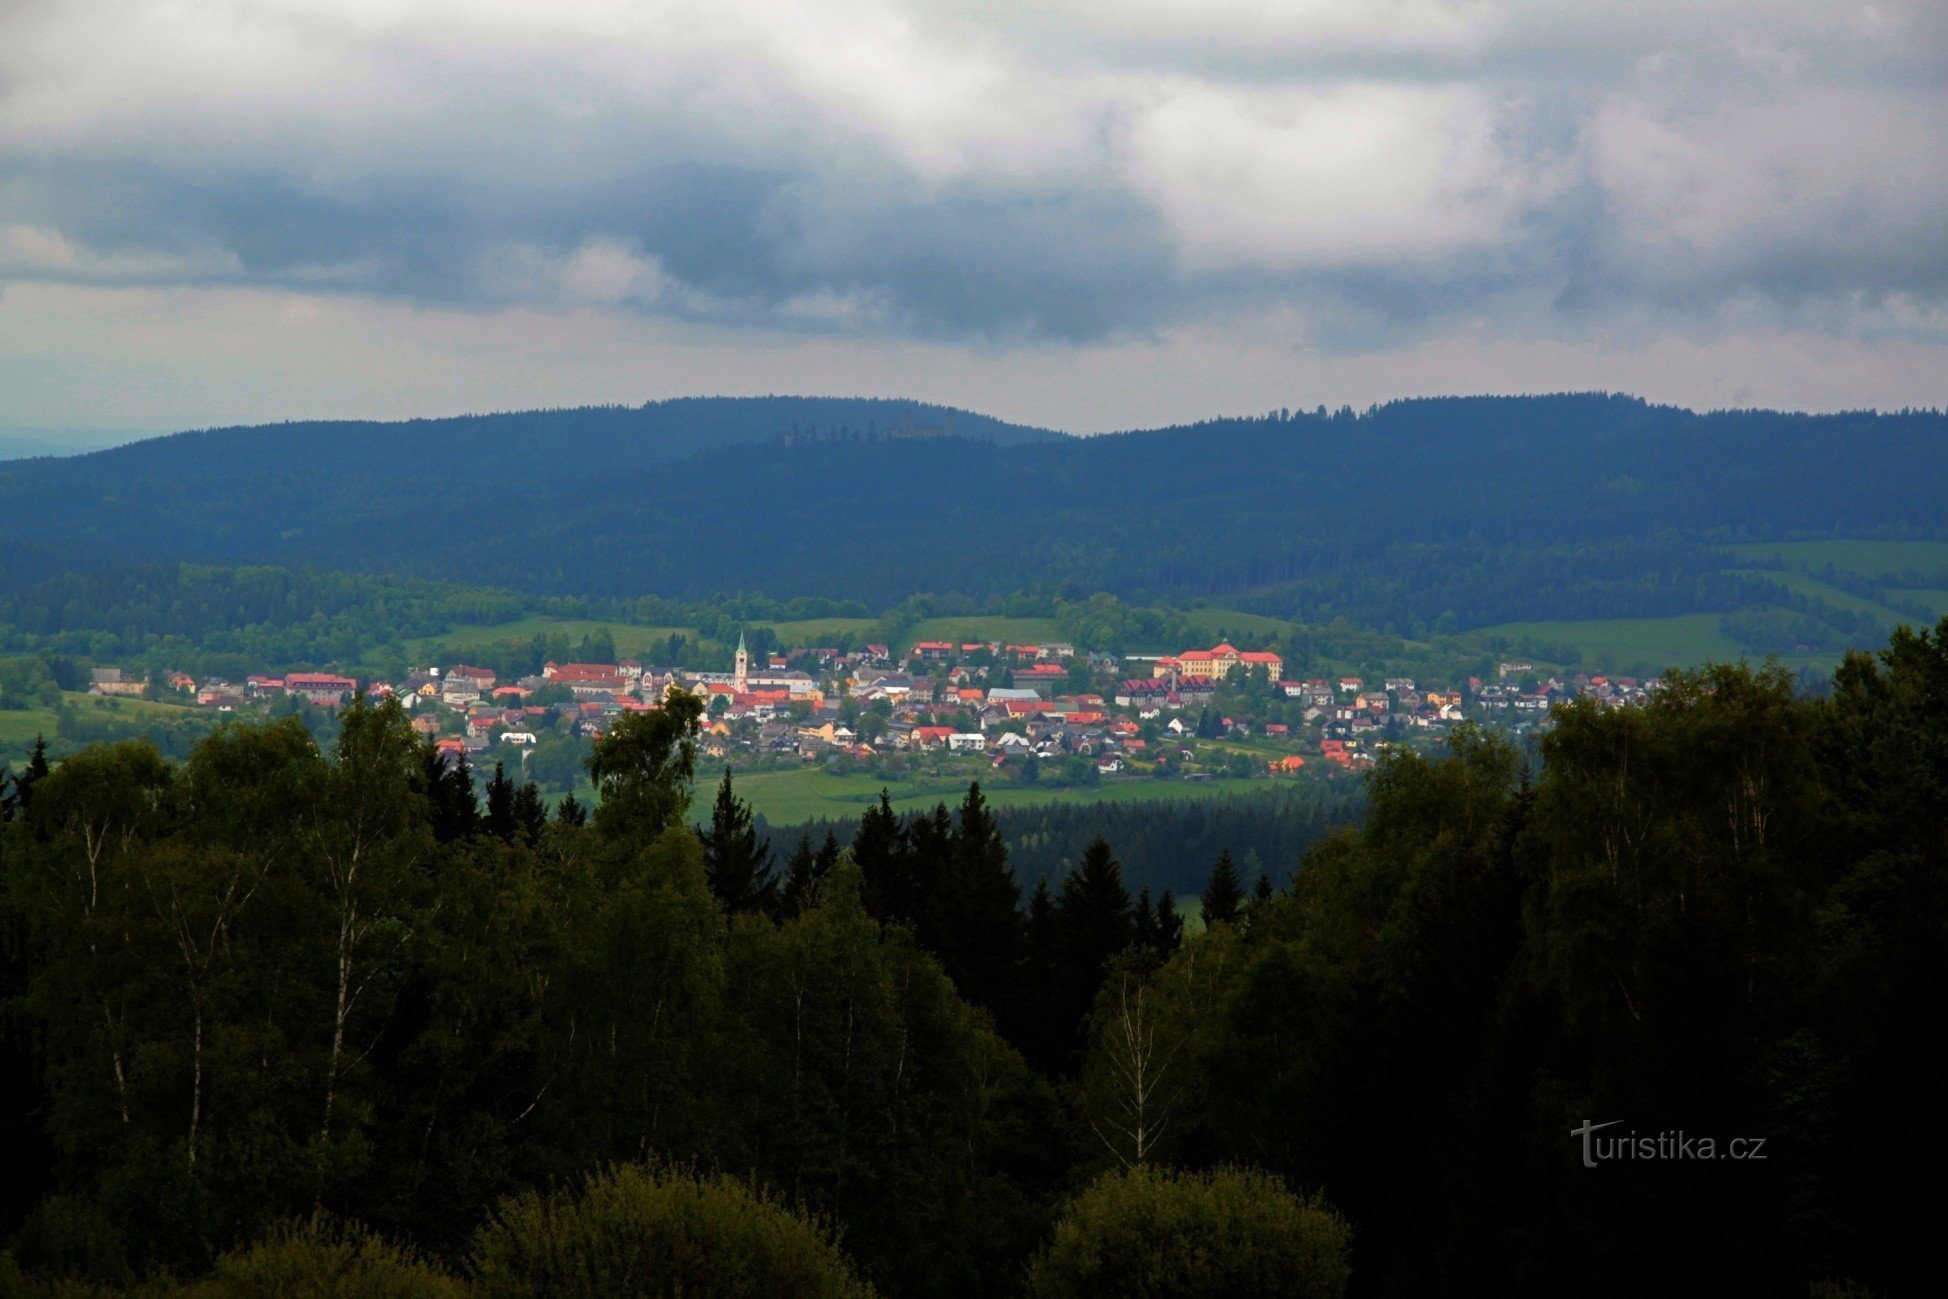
[277,1001]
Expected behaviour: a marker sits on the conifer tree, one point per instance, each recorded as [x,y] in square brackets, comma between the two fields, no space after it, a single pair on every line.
[1262,891]
[1092,917]
[1170,925]
[30,775]
[1223,897]
[500,805]
[1145,921]
[1093,912]
[806,871]
[530,813]
[737,860]
[452,809]
[976,925]
[879,848]
[571,812]
[1040,1035]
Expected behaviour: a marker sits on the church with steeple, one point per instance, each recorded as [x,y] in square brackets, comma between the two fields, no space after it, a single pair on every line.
[741,674]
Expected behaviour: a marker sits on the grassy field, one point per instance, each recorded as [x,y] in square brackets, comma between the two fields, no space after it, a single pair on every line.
[1231,622]
[1681,641]
[1873,559]
[788,797]
[1805,584]
[19,727]
[22,725]
[1651,643]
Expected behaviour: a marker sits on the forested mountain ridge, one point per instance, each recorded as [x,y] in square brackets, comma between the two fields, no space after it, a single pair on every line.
[597,437]
[1492,508]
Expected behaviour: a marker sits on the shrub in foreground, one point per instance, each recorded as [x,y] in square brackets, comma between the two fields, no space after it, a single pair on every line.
[642,1230]
[323,1261]
[1159,1232]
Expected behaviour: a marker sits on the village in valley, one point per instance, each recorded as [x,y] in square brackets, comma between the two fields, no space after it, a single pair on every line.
[1041,713]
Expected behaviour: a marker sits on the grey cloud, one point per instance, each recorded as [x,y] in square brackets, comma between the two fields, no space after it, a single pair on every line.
[998,190]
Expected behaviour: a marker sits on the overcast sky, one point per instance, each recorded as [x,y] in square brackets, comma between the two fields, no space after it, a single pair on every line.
[1087,213]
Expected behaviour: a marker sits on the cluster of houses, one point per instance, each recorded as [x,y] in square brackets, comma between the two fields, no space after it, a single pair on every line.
[1004,703]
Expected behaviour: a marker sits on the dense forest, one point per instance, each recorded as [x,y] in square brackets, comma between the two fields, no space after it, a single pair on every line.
[1162,844]
[1403,515]
[279,1011]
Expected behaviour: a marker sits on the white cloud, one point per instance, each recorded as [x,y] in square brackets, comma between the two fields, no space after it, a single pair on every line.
[1360,174]
[1382,174]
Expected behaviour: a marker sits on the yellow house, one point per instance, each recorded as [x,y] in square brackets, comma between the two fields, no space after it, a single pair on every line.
[1219,662]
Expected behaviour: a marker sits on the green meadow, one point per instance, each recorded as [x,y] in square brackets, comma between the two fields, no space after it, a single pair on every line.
[18,727]
[1682,641]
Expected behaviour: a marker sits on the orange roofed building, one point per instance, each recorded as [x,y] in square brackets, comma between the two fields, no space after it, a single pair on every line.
[1219,662]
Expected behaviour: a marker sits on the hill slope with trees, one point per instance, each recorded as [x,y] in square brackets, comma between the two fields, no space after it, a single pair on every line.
[1476,510]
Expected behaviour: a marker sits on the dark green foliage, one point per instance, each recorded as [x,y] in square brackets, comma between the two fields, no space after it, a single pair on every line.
[529,813]
[500,805]
[801,879]
[971,916]
[276,979]
[1223,899]
[880,846]
[805,874]
[642,767]
[31,775]
[1476,521]
[650,1231]
[453,810]
[737,859]
[1170,925]
[322,1259]
[1719,913]
[1229,1234]
[1092,925]
[259,983]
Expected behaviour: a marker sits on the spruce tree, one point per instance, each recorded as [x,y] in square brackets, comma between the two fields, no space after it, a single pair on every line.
[1040,1035]
[30,775]
[828,853]
[1170,925]
[737,860]
[1092,918]
[450,803]
[976,924]
[500,805]
[530,813]
[571,812]
[1223,898]
[800,891]
[880,849]
[1145,920]
[1262,891]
